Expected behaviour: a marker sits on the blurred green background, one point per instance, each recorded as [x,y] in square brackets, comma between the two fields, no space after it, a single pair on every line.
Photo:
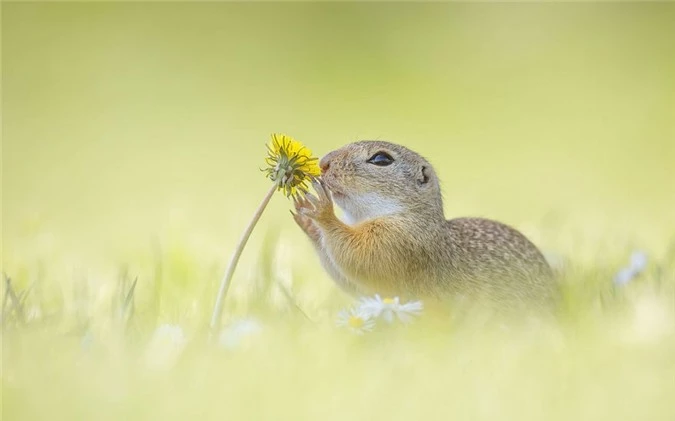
[125,122]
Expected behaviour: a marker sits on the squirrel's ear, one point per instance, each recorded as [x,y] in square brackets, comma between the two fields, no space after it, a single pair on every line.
[423,176]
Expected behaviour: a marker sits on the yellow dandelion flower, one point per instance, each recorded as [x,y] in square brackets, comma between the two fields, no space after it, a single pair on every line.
[291,165]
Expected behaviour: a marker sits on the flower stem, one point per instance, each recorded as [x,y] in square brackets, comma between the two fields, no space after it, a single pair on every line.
[225,281]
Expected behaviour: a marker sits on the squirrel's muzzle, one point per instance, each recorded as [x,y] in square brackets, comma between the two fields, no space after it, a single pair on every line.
[324,163]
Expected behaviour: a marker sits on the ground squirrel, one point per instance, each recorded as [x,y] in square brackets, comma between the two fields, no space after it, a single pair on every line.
[395,240]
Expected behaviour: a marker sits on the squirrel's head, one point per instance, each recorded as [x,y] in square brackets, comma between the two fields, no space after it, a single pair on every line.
[369,179]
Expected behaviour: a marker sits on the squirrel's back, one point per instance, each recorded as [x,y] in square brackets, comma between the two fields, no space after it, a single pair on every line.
[493,260]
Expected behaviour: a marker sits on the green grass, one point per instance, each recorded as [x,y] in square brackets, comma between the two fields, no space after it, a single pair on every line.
[88,353]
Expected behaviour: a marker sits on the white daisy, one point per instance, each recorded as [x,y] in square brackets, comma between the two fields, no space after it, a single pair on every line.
[239,334]
[638,261]
[624,276]
[387,308]
[356,320]
[170,335]
[166,345]
[637,265]
[87,341]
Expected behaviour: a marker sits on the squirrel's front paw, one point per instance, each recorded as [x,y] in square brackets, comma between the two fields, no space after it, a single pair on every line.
[303,221]
[319,207]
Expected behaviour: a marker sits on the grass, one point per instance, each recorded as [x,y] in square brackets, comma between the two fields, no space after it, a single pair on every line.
[83,353]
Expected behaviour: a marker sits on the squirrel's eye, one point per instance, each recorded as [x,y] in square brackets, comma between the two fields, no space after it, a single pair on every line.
[381,159]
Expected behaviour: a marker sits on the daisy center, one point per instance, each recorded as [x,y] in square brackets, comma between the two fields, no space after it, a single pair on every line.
[355,322]
[388,301]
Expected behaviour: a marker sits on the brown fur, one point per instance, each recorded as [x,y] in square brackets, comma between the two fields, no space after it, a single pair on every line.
[398,242]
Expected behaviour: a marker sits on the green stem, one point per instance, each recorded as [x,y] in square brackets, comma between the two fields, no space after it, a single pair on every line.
[225,281]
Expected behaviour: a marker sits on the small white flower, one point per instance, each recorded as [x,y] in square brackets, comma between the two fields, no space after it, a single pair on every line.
[356,320]
[170,335]
[87,341]
[166,345]
[33,313]
[555,260]
[624,276]
[239,333]
[638,261]
[637,265]
[388,308]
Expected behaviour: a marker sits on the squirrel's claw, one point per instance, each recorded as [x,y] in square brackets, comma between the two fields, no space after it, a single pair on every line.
[301,202]
[312,201]
[321,190]
[320,206]
[307,225]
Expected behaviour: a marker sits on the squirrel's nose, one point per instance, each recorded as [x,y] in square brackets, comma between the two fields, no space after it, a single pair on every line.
[324,164]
